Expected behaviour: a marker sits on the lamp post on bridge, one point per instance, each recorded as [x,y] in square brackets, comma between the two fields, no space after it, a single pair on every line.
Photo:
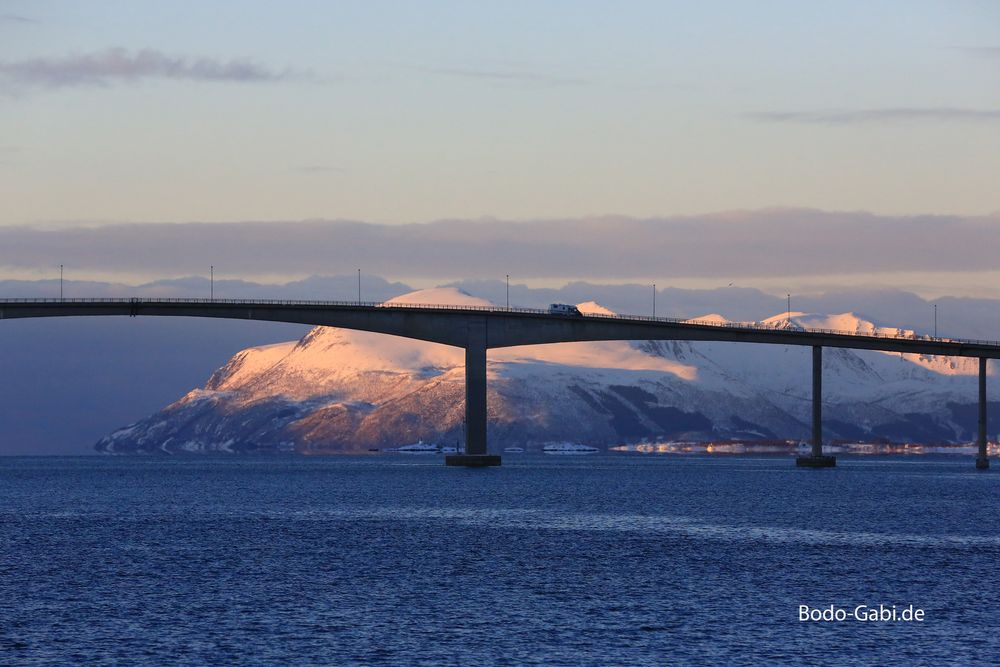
[508,291]
[359,286]
[654,300]
[211,282]
[935,320]
[788,309]
[60,282]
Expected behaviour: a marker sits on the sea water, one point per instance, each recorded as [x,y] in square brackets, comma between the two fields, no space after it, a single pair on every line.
[608,559]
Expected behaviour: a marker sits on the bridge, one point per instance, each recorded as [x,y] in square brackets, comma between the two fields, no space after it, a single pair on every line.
[479,328]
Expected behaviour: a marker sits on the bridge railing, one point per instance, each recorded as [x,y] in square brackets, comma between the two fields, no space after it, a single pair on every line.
[195,300]
[748,326]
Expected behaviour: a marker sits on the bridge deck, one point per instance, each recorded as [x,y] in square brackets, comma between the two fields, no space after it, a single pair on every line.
[506,326]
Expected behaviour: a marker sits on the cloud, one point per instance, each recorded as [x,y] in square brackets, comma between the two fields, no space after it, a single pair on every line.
[513,76]
[850,117]
[986,51]
[753,246]
[103,68]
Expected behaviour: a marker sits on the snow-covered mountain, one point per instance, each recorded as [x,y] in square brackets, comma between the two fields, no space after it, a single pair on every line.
[338,390]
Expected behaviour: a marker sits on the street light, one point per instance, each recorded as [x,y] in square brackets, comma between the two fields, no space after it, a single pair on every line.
[60,282]
[211,282]
[359,286]
[788,312]
[935,320]
[654,300]
[508,291]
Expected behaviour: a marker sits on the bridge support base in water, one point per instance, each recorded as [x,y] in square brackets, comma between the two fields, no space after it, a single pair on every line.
[983,459]
[823,461]
[472,460]
[816,458]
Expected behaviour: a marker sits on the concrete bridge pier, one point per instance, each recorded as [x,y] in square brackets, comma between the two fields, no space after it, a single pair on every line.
[982,459]
[476,454]
[816,459]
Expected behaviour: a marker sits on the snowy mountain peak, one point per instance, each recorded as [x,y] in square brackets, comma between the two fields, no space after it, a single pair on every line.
[845,322]
[792,320]
[440,296]
[248,364]
[711,318]
[594,308]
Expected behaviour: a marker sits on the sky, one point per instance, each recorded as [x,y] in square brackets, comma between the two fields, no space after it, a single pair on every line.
[398,113]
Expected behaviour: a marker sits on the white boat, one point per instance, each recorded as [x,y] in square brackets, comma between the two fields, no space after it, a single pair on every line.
[448,449]
[569,448]
[513,450]
[418,448]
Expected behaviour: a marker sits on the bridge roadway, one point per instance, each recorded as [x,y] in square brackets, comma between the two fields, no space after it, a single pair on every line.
[478,328]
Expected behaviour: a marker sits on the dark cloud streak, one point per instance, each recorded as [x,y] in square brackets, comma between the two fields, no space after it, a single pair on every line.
[985,51]
[759,244]
[16,18]
[901,114]
[103,68]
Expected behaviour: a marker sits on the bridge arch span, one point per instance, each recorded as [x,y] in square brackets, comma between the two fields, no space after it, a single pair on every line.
[479,328]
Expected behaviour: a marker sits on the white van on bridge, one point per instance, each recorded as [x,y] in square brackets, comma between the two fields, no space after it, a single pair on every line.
[563,309]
